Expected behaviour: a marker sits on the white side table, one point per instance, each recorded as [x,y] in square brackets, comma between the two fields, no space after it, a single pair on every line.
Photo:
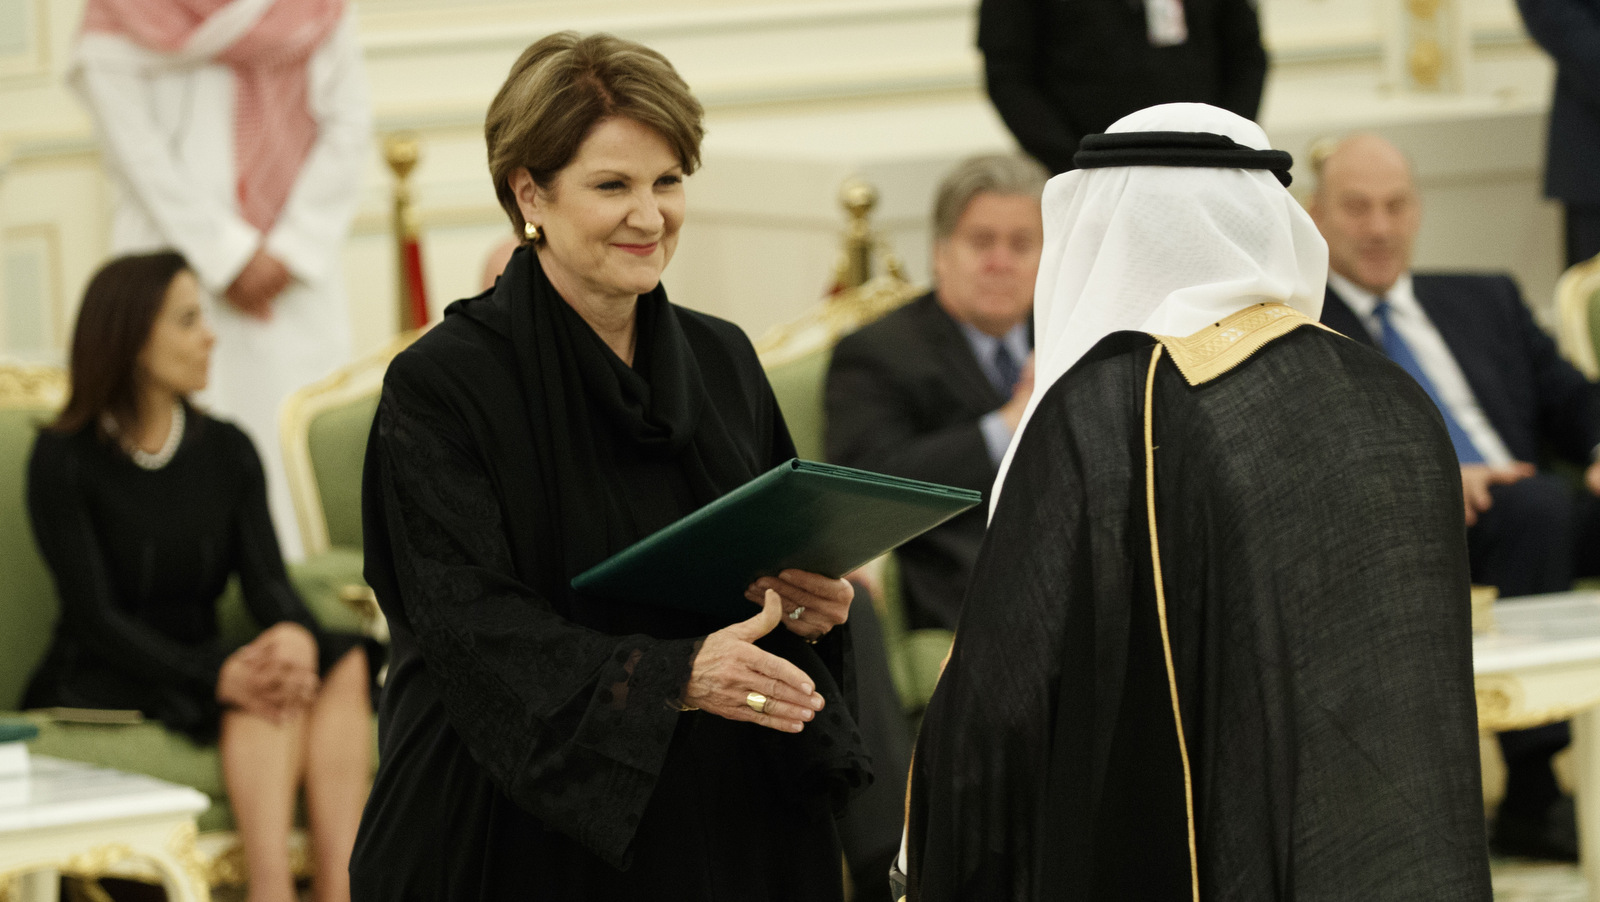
[67,817]
[1542,665]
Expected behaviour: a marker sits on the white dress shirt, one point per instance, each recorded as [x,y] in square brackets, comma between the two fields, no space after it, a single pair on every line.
[1411,321]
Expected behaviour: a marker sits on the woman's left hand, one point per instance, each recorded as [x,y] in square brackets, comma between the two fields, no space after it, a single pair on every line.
[821,603]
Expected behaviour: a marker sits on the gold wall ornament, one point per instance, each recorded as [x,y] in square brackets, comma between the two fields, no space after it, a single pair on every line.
[1425,62]
[1427,46]
[1423,9]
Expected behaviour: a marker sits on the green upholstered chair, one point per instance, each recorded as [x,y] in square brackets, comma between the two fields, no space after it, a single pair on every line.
[28,609]
[796,358]
[1578,316]
[28,398]
[324,429]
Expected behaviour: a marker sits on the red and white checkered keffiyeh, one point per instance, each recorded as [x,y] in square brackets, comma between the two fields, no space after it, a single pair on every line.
[274,128]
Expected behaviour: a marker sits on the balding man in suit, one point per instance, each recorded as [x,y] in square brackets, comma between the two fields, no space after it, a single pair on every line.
[1509,402]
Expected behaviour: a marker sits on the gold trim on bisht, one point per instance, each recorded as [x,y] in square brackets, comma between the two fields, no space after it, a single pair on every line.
[1201,357]
[1221,346]
[1161,601]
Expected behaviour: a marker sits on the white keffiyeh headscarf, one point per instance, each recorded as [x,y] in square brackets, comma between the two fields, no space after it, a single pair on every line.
[1167,250]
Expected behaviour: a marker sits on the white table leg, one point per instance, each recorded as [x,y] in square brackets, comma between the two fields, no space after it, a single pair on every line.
[1586,757]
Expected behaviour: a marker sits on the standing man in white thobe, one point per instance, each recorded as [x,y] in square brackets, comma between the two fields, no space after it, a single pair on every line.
[236,131]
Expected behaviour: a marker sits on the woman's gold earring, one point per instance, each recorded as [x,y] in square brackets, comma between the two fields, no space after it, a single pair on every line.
[530,231]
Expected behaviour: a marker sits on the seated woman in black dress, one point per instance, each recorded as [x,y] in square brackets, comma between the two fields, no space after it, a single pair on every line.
[143,507]
[541,743]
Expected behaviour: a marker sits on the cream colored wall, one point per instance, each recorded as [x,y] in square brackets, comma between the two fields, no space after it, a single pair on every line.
[800,94]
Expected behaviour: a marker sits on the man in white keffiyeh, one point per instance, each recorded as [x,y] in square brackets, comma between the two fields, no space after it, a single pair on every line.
[1229,238]
[1217,643]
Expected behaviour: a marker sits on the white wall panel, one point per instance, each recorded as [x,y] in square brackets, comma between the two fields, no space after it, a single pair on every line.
[801,95]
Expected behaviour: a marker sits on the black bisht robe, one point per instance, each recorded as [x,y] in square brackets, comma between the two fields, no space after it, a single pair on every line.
[1313,555]
[530,742]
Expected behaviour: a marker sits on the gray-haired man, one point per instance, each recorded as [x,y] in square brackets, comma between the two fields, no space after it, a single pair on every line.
[934,390]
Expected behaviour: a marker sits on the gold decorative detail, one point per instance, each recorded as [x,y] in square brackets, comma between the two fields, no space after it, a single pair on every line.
[184,850]
[1576,296]
[1423,10]
[1483,599]
[228,867]
[32,387]
[360,378]
[855,263]
[1498,697]
[1501,697]
[1426,62]
[1220,347]
[838,316]
[858,298]
[1161,614]
[401,151]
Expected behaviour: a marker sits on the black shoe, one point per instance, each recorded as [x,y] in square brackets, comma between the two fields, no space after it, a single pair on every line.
[1553,837]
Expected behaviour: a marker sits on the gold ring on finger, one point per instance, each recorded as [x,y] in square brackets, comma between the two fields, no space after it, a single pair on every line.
[757,702]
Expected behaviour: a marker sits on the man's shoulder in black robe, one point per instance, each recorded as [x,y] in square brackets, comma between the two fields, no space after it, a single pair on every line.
[1312,545]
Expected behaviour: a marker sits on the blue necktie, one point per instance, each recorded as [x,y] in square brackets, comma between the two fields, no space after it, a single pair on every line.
[1396,349]
[1006,368]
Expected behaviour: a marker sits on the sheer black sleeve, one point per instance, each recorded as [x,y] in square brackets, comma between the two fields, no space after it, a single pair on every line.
[65,530]
[573,725]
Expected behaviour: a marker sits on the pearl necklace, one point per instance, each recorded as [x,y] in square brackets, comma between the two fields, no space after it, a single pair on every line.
[144,459]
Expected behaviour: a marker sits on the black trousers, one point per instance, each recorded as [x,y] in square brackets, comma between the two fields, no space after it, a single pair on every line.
[1583,233]
[1538,536]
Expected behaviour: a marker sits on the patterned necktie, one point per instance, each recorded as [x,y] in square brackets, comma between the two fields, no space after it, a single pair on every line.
[1006,368]
[1398,350]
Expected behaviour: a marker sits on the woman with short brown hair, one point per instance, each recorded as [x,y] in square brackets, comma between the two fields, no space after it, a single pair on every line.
[540,742]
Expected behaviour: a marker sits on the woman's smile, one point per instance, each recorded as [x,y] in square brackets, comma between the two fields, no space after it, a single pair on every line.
[638,250]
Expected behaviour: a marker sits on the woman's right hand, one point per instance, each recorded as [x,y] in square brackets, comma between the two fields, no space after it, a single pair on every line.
[729,667]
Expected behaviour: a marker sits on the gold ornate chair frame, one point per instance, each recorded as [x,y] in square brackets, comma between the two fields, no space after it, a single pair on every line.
[1575,334]
[360,378]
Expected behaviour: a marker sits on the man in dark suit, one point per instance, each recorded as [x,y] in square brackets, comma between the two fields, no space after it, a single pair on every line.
[1509,402]
[1057,71]
[934,390]
[1569,30]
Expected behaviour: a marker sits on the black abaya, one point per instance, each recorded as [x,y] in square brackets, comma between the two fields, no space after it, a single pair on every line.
[1312,549]
[530,740]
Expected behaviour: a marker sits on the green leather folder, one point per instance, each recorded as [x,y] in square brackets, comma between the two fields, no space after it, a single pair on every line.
[801,514]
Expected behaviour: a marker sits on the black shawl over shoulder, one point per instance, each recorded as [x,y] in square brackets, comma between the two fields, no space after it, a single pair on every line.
[530,740]
[1310,525]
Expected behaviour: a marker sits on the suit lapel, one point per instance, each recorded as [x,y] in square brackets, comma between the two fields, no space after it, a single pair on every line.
[1456,328]
[966,376]
[1338,316]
